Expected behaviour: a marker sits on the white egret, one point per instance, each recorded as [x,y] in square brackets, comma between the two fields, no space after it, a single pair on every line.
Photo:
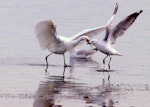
[105,46]
[48,38]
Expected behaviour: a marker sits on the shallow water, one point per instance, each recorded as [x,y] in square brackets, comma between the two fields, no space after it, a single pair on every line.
[22,65]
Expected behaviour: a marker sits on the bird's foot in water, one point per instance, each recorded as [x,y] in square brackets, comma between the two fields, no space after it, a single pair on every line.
[108,77]
[67,65]
[109,66]
[46,70]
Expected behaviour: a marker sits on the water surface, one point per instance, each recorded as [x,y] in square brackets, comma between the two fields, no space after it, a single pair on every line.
[22,65]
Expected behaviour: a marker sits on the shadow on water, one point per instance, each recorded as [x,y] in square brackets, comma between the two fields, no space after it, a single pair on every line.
[105,70]
[89,62]
[57,91]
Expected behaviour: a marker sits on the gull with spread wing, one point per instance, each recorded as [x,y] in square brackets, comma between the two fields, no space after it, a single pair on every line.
[48,39]
[105,46]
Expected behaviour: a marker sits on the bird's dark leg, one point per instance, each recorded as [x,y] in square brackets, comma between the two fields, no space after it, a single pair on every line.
[109,62]
[47,61]
[109,67]
[64,72]
[108,76]
[104,61]
[65,65]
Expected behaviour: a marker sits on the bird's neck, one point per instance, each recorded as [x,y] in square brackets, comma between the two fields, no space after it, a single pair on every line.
[72,44]
[77,41]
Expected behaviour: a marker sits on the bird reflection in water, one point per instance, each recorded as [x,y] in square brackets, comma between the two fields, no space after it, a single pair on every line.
[55,91]
[90,63]
[103,93]
[45,94]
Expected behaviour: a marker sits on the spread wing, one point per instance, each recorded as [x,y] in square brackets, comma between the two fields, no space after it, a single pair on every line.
[89,32]
[108,28]
[122,26]
[46,35]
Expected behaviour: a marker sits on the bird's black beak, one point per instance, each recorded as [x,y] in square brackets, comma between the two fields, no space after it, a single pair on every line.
[88,42]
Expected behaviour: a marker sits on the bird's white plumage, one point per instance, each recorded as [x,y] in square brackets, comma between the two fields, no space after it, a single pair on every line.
[47,35]
[89,32]
[48,38]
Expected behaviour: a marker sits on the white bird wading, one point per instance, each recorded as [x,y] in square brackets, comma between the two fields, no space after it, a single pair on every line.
[48,38]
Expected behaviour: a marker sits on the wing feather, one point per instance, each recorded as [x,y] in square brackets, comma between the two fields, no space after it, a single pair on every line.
[89,32]
[108,28]
[46,35]
[122,26]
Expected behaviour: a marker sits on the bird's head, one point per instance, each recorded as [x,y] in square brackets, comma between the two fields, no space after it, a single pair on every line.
[88,40]
[93,41]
